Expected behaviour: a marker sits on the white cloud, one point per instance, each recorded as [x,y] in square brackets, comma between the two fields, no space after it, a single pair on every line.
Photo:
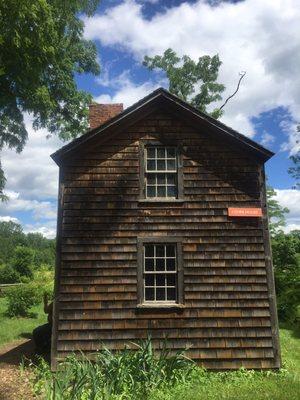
[127,92]
[293,143]
[32,173]
[260,37]
[290,198]
[39,209]
[32,180]
[7,218]
[47,230]
[267,139]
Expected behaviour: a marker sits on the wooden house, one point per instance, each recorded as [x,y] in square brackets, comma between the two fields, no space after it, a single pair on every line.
[163,230]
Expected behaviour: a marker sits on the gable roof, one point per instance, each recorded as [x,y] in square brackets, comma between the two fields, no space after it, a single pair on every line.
[162,97]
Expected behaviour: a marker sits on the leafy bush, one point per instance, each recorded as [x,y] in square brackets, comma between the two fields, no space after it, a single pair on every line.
[21,298]
[8,274]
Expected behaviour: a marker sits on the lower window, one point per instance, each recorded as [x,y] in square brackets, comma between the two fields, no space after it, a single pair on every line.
[160,278]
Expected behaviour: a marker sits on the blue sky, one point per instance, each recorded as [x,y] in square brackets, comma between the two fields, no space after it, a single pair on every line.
[261,38]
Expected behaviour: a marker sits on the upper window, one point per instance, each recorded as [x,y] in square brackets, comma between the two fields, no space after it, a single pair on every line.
[161,172]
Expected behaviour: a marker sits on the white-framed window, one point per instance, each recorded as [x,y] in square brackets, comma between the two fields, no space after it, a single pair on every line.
[161,170]
[160,272]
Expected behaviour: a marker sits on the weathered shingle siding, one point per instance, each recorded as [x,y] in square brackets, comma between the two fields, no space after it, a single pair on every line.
[226,319]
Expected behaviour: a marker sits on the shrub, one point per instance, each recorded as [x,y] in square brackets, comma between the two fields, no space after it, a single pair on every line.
[8,274]
[22,298]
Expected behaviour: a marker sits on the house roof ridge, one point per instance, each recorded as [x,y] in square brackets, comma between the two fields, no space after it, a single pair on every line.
[56,156]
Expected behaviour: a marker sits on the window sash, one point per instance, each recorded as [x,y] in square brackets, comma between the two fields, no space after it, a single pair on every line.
[161,182]
[157,160]
[162,288]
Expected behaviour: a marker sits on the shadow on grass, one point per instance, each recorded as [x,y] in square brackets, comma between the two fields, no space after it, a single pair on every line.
[26,335]
[294,328]
[31,315]
[23,352]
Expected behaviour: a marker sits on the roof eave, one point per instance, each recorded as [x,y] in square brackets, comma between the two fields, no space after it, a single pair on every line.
[256,148]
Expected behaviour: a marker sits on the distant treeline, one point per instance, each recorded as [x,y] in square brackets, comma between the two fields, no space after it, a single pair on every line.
[21,254]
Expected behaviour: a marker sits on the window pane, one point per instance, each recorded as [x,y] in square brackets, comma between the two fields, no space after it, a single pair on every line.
[160,264]
[171,294]
[171,191]
[171,165]
[160,284]
[171,179]
[171,265]
[149,294]
[149,280]
[171,152]
[161,179]
[161,191]
[149,264]
[170,250]
[161,165]
[149,251]
[171,280]
[151,179]
[160,294]
[160,250]
[151,152]
[161,152]
[151,165]
[151,191]
[160,280]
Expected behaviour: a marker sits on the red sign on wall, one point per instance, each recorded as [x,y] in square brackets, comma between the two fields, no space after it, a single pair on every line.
[244,212]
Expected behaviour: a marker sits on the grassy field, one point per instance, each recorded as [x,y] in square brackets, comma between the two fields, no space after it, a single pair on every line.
[19,328]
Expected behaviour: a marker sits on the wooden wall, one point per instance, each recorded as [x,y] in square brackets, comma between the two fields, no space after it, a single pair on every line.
[228,320]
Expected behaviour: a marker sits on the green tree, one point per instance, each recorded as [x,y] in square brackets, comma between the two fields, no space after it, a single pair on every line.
[294,171]
[23,261]
[41,49]
[276,212]
[287,275]
[194,82]
[11,235]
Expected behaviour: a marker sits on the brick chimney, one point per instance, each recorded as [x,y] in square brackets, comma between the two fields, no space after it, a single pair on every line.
[100,113]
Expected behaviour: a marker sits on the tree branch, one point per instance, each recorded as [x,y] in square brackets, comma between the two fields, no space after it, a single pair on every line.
[242,74]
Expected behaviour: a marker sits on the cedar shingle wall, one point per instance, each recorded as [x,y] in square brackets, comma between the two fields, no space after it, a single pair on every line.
[226,319]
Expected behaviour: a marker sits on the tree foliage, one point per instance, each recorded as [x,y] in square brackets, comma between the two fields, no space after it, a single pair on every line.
[194,82]
[22,254]
[23,261]
[285,250]
[294,171]
[21,298]
[41,49]
[276,212]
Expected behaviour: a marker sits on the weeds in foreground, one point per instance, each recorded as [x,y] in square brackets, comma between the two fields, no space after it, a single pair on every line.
[127,374]
[144,375]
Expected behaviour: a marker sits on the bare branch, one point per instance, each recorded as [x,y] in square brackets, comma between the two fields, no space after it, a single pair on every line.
[242,74]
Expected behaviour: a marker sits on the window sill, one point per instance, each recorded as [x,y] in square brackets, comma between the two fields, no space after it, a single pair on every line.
[160,307]
[166,200]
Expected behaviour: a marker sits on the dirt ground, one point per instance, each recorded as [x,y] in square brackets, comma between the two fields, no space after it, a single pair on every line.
[14,385]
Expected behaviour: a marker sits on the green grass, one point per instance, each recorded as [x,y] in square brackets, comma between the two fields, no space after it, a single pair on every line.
[247,385]
[19,328]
